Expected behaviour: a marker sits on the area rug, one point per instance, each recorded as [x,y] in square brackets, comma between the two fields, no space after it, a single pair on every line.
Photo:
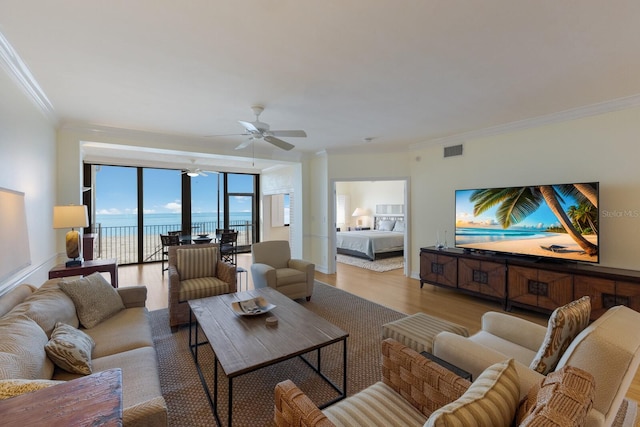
[381,265]
[253,393]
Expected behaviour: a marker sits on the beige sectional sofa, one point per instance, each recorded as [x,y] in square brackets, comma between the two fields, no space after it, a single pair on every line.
[28,315]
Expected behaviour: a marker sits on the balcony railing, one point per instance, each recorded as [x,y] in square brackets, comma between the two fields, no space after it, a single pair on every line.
[122,242]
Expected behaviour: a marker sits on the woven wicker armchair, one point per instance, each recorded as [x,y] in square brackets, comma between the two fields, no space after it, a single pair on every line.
[412,384]
[196,271]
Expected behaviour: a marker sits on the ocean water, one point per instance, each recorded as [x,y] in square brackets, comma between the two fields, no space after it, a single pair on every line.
[173,220]
[469,235]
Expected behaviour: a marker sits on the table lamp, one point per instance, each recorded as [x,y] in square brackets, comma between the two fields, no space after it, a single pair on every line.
[359,212]
[72,216]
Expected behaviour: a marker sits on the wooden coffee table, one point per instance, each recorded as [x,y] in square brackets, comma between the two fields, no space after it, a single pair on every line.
[243,344]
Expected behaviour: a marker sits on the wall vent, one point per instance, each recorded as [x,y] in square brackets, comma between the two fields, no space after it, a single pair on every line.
[454,150]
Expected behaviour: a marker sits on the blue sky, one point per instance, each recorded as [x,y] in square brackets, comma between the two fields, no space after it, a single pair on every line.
[116,191]
[541,218]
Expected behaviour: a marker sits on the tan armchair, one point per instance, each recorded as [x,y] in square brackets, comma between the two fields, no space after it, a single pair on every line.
[196,271]
[273,267]
[412,387]
[416,391]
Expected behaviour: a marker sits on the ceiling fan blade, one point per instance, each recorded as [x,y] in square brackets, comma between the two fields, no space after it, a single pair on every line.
[228,134]
[279,143]
[289,133]
[244,144]
[249,126]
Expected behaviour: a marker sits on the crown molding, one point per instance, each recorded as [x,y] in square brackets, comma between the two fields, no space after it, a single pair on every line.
[562,116]
[18,70]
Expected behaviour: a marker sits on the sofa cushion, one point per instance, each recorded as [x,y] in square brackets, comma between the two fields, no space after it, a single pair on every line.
[563,398]
[14,297]
[201,288]
[140,377]
[564,325]
[49,305]
[22,352]
[289,276]
[16,387]
[125,330]
[70,349]
[196,263]
[95,299]
[375,405]
[490,401]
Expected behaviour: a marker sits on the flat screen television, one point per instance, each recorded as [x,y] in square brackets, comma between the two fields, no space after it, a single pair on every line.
[551,221]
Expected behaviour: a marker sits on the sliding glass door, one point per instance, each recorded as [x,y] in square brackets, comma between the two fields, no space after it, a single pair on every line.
[130,207]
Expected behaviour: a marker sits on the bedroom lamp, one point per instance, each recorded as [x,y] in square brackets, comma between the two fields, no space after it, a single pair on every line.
[359,212]
[72,216]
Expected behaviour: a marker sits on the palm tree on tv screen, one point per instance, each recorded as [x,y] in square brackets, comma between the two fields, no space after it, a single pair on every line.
[517,203]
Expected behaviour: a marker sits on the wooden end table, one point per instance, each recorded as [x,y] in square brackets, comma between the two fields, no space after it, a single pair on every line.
[451,367]
[91,400]
[109,265]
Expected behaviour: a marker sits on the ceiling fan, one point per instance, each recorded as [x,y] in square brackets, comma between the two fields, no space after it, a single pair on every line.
[193,171]
[259,130]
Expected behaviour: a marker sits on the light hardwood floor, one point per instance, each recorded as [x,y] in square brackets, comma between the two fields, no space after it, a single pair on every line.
[391,289]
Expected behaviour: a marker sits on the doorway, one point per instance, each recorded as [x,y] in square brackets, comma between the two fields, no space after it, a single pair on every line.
[363,211]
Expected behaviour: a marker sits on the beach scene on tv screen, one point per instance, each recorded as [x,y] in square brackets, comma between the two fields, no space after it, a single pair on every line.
[557,221]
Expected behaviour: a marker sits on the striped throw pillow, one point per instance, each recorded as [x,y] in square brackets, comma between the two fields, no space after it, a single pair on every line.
[564,325]
[490,401]
[197,263]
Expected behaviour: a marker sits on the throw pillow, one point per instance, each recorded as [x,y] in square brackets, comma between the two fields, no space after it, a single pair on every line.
[70,349]
[95,299]
[16,387]
[197,263]
[564,325]
[490,401]
[22,352]
[562,398]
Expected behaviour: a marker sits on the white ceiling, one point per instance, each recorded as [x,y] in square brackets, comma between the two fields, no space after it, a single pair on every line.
[405,73]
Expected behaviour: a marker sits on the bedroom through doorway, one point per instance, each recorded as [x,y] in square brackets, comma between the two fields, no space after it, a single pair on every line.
[371,224]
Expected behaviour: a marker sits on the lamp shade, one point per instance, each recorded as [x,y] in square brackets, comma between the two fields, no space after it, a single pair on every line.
[359,212]
[72,216]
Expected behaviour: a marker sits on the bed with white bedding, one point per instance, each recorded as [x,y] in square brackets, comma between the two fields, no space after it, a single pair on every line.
[386,240]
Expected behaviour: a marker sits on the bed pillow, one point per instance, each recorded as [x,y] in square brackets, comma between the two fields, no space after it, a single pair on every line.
[386,225]
[398,227]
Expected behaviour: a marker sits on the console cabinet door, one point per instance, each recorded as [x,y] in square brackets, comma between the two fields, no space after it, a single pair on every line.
[539,288]
[439,269]
[487,278]
[601,291]
[606,293]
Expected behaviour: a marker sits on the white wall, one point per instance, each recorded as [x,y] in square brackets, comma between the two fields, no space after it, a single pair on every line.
[28,153]
[275,181]
[368,194]
[601,148]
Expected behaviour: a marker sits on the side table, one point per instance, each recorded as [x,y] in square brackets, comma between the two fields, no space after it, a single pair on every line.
[79,402]
[102,265]
[453,368]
